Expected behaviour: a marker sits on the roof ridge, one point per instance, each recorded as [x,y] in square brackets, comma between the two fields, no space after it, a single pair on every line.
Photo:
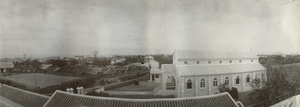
[24,91]
[140,100]
[222,64]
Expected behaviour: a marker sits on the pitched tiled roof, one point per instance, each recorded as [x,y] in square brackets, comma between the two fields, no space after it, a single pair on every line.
[186,70]
[120,68]
[6,65]
[240,104]
[168,67]
[4,102]
[185,54]
[64,99]
[23,97]
[155,71]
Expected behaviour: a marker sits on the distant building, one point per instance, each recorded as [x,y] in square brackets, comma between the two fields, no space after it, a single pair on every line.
[117,60]
[45,66]
[151,63]
[81,57]
[197,73]
[53,58]
[5,66]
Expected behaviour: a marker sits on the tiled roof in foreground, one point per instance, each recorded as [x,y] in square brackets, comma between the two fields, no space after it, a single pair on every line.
[64,99]
[22,97]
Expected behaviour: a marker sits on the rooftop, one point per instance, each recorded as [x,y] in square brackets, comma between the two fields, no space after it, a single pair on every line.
[25,98]
[6,65]
[187,54]
[187,70]
[168,67]
[155,71]
[64,99]
[121,68]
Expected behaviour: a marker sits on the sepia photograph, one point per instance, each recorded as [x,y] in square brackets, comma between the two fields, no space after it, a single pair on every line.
[149,53]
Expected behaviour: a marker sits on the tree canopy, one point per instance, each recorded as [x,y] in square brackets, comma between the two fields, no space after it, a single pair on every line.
[276,85]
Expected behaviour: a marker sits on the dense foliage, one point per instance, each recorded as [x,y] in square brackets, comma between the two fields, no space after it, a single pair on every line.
[102,94]
[276,85]
[233,91]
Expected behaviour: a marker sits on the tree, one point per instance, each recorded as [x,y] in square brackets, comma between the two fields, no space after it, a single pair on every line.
[73,62]
[233,92]
[36,63]
[277,85]
[57,62]
[95,53]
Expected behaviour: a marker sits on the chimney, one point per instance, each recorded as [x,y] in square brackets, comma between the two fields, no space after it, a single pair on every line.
[71,90]
[81,90]
[68,90]
[78,90]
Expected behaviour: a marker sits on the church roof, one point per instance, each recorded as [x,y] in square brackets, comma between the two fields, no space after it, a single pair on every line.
[6,65]
[187,54]
[21,97]
[188,70]
[64,99]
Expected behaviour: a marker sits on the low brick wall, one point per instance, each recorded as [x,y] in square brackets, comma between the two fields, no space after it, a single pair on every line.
[116,85]
[129,92]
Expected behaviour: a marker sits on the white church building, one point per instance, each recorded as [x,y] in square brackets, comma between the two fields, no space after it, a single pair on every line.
[197,73]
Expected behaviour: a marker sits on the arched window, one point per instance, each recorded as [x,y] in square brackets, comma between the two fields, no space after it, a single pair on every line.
[209,62]
[251,60]
[226,81]
[220,61]
[240,61]
[230,61]
[197,62]
[237,80]
[202,83]
[189,84]
[215,82]
[248,78]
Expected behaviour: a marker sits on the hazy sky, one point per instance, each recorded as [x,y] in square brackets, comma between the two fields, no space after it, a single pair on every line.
[74,27]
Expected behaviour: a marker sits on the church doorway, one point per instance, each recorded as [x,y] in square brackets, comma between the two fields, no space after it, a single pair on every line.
[170,84]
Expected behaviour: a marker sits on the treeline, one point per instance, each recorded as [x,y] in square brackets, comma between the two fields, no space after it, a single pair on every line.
[279,59]
[101,62]
[163,59]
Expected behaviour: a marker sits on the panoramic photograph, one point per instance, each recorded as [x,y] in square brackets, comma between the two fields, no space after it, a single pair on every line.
[149,53]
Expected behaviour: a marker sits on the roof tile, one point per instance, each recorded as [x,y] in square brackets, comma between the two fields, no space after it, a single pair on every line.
[64,99]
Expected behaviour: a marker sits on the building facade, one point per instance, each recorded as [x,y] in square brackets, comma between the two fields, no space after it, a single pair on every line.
[197,73]
[6,66]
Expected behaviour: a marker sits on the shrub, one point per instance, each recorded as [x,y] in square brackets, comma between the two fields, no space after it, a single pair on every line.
[7,82]
[93,93]
[136,83]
